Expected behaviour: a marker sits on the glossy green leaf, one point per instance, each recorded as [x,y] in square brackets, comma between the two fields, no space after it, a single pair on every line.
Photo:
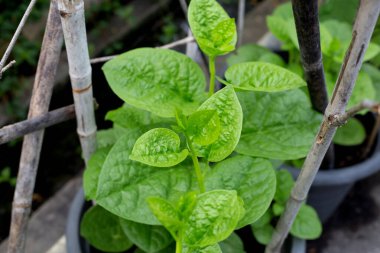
[363,89]
[285,183]
[103,231]
[260,76]
[124,185]
[213,219]
[159,147]
[278,27]
[253,179]
[149,238]
[307,224]
[278,209]
[213,29]
[204,127]
[253,52]
[181,119]
[280,125]
[186,205]
[166,214]
[106,138]
[352,133]
[342,10]
[263,234]
[156,80]
[227,106]
[209,249]
[265,219]
[374,74]
[131,117]
[92,171]
[233,244]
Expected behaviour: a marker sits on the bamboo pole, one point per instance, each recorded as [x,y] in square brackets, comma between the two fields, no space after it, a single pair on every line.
[307,26]
[241,16]
[19,129]
[364,24]
[74,31]
[39,105]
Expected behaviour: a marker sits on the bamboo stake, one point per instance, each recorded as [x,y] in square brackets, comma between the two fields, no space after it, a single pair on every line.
[364,24]
[16,34]
[9,65]
[39,105]
[307,26]
[241,14]
[74,30]
[14,131]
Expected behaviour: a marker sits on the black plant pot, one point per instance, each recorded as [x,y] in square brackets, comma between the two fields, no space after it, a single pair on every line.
[77,244]
[330,187]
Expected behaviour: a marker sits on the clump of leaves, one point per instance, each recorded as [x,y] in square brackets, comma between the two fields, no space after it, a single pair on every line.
[336,34]
[180,171]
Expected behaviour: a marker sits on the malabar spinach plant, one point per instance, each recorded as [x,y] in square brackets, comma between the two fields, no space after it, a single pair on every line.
[335,31]
[180,170]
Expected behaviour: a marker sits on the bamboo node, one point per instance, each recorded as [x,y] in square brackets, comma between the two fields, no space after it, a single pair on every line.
[83,134]
[82,89]
[21,205]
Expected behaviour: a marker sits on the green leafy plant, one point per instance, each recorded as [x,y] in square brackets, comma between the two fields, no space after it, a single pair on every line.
[180,171]
[5,176]
[335,38]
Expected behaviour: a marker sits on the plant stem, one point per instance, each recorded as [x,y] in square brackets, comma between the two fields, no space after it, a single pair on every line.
[211,66]
[198,171]
[178,244]
[364,24]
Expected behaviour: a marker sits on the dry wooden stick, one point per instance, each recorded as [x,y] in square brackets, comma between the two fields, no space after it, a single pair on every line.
[74,30]
[308,34]
[6,67]
[364,24]
[11,132]
[39,105]
[15,35]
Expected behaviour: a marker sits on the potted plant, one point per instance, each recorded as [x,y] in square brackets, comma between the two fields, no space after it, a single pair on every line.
[168,176]
[331,185]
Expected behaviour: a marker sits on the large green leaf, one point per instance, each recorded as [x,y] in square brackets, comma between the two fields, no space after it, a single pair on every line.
[159,147]
[92,171]
[149,238]
[307,224]
[263,234]
[363,89]
[204,127]
[253,52]
[352,133]
[260,76]
[131,117]
[167,214]
[108,137]
[156,80]
[124,185]
[214,217]
[213,29]
[103,231]
[374,73]
[278,125]
[233,244]
[342,10]
[227,106]
[285,184]
[253,179]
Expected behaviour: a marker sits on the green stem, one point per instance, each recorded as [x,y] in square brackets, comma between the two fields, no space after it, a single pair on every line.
[197,168]
[178,246]
[211,66]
